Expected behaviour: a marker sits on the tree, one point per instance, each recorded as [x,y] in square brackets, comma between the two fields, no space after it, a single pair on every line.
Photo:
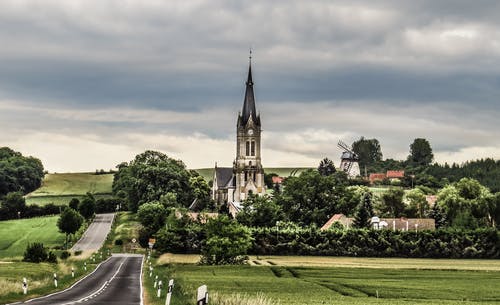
[268,179]
[19,173]
[364,212]
[420,152]
[368,151]
[467,204]
[201,192]
[392,204]
[227,242]
[152,216]
[312,198]
[69,222]
[326,167]
[14,205]
[73,203]
[87,207]
[417,205]
[151,175]
[260,211]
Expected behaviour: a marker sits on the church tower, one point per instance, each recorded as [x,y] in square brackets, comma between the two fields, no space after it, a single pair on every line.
[247,167]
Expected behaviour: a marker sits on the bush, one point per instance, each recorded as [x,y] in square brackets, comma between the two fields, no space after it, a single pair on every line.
[37,253]
[118,242]
[78,252]
[65,255]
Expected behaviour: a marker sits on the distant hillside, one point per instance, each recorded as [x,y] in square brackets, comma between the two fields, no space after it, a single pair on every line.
[60,188]
[208,173]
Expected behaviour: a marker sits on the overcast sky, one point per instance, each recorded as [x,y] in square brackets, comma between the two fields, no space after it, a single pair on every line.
[88,84]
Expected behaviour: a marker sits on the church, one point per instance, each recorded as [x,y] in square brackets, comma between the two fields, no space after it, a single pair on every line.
[231,185]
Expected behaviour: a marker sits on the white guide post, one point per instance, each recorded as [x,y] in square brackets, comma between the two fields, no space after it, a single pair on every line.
[72,272]
[202,296]
[160,285]
[156,281]
[169,291]
[55,280]
[25,286]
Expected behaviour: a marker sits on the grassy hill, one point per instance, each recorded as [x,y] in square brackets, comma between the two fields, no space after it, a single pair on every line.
[208,173]
[16,234]
[60,188]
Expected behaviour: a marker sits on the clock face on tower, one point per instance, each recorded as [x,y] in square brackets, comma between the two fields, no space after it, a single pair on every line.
[250,132]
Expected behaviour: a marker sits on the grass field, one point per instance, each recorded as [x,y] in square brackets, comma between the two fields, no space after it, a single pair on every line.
[208,173]
[16,234]
[60,188]
[299,280]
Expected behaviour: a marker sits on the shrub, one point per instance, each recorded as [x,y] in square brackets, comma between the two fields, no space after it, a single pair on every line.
[118,242]
[65,255]
[37,253]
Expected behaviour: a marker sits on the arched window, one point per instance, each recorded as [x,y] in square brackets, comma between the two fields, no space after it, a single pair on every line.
[253,148]
[247,149]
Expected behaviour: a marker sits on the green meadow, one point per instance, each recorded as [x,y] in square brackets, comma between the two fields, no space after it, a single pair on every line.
[342,285]
[60,188]
[208,173]
[16,234]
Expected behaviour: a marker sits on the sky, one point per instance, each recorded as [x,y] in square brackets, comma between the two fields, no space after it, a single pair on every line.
[88,84]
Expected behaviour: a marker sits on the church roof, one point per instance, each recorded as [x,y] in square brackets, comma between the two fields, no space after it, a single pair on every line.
[249,102]
[224,176]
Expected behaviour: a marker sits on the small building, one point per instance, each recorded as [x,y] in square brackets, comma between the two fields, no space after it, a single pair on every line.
[199,217]
[391,175]
[395,174]
[340,218]
[376,177]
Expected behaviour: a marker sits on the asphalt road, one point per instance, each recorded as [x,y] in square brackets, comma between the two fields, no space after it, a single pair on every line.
[96,233]
[116,281]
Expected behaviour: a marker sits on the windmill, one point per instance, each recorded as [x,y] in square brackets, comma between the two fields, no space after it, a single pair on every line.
[349,160]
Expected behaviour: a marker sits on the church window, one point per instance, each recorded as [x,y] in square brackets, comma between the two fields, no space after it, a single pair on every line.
[246,177]
[253,148]
[248,149]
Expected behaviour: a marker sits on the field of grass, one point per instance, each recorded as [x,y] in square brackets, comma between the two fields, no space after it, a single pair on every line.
[208,173]
[16,234]
[60,188]
[125,228]
[381,283]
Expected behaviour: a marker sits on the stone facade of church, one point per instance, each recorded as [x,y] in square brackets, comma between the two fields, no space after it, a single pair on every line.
[234,184]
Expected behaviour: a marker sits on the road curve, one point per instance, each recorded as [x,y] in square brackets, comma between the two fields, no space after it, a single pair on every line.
[116,281]
[96,233]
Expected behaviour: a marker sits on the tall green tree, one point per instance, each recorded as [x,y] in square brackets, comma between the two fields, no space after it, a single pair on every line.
[151,175]
[69,222]
[311,198]
[326,167]
[260,211]
[392,204]
[369,152]
[227,242]
[364,212]
[152,216]
[87,206]
[19,173]
[420,152]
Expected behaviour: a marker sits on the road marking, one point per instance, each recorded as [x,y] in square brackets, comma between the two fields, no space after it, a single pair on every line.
[140,279]
[58,292]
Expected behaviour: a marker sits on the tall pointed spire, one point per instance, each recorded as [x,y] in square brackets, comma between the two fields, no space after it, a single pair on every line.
[249,102]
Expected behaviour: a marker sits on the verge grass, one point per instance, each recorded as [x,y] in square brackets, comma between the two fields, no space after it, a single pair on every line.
[16,234]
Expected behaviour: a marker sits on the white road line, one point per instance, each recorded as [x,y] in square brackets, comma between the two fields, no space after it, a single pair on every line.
[140,280]
[58,292]
[98,291]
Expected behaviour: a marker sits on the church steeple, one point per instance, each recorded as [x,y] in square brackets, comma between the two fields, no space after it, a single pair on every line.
[249,102]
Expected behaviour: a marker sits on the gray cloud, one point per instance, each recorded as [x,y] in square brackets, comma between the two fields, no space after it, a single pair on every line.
[324,70]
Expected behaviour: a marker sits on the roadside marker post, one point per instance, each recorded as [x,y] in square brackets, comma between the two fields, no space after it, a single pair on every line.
[85,266]
[150,271]
[55,280]
[25,286]
[72,272]
[160,285]
[202,298]
[169,291]
[156,281]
